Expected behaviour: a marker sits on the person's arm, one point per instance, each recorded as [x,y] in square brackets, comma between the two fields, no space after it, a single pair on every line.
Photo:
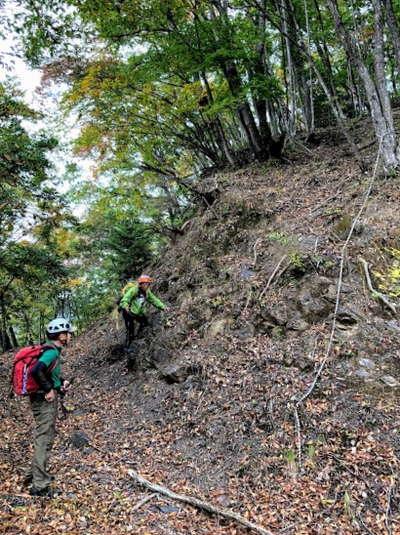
[128,296]
[155,301]
[40,373]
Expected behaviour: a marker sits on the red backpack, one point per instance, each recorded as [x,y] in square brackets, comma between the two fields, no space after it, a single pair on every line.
[22,381]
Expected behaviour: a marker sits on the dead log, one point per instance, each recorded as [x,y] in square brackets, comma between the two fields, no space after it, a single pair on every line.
[205,506]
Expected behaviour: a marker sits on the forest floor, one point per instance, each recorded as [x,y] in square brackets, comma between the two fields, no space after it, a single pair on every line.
[235,412]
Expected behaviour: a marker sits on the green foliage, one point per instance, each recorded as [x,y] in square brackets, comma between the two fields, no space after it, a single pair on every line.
[24,165]
[31,263]
[279,237]
[164,90]
[30,277]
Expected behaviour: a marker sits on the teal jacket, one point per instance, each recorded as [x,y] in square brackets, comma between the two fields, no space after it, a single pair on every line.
[137,302]
[48,357]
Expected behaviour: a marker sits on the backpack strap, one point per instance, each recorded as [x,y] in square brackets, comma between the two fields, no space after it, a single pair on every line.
[45,347]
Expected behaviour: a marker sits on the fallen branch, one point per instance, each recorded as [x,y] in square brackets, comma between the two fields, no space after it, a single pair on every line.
[377,294]
[301,145]
[329,199]
[143,501]
[272,276]
[196,503]
[259,240]
[364,525]
[368,145]
[298,437]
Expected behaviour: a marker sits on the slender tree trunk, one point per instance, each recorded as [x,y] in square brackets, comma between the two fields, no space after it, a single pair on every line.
[13,338]
[291,88]
[310,96]
[299,69]
[259,70]
[323,52]
[244,111]
[392,23]
[28,333]
[4,337]
[376,93]
[217,122]
[232,75]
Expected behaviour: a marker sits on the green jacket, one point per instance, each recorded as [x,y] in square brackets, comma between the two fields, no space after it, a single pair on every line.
[137,302]
[48,357]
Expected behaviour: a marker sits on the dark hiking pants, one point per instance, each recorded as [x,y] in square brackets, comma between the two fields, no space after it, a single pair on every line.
[130,320]
[45,415]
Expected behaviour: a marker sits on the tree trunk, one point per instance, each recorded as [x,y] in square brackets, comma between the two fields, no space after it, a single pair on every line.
[232,75]
[4,337]
[259,70]
[299,71]
[13,338]
[291,85]
[5,341]
[394,30]
[244,112]
[333,102]
[376,93]
[323,52]
[219,129]
[28,333]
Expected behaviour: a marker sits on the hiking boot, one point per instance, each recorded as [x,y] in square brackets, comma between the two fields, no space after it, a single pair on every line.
[27,480]
[46,492]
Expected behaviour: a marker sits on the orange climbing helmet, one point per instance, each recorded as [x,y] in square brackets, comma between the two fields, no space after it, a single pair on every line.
[144,278]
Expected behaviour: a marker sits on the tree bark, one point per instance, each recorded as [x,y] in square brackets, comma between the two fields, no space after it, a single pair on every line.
[219,129]
[394,30]
[291,84]
[13,338]
[244,112]
[4,336]
[376,92]
[333,102]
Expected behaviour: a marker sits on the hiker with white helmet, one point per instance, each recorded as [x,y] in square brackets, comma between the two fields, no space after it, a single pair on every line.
[47,374]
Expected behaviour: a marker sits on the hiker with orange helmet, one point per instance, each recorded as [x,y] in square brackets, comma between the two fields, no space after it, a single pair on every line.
[133,305]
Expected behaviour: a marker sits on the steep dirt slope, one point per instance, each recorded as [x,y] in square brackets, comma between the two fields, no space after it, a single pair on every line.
[211,405]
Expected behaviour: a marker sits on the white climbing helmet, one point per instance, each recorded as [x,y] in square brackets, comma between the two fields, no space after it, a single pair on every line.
[60,325]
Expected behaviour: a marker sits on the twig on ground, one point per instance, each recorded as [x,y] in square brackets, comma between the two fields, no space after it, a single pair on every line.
[196,503]
[387,512]
[364,526]
[388,521]
[143,501]
[377,294]
[329,199]
[360,478]
[368,145]
[280,273]
[272,276]
[247,301]
[298,437]
[255,251]
[288,527]
[297,142]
